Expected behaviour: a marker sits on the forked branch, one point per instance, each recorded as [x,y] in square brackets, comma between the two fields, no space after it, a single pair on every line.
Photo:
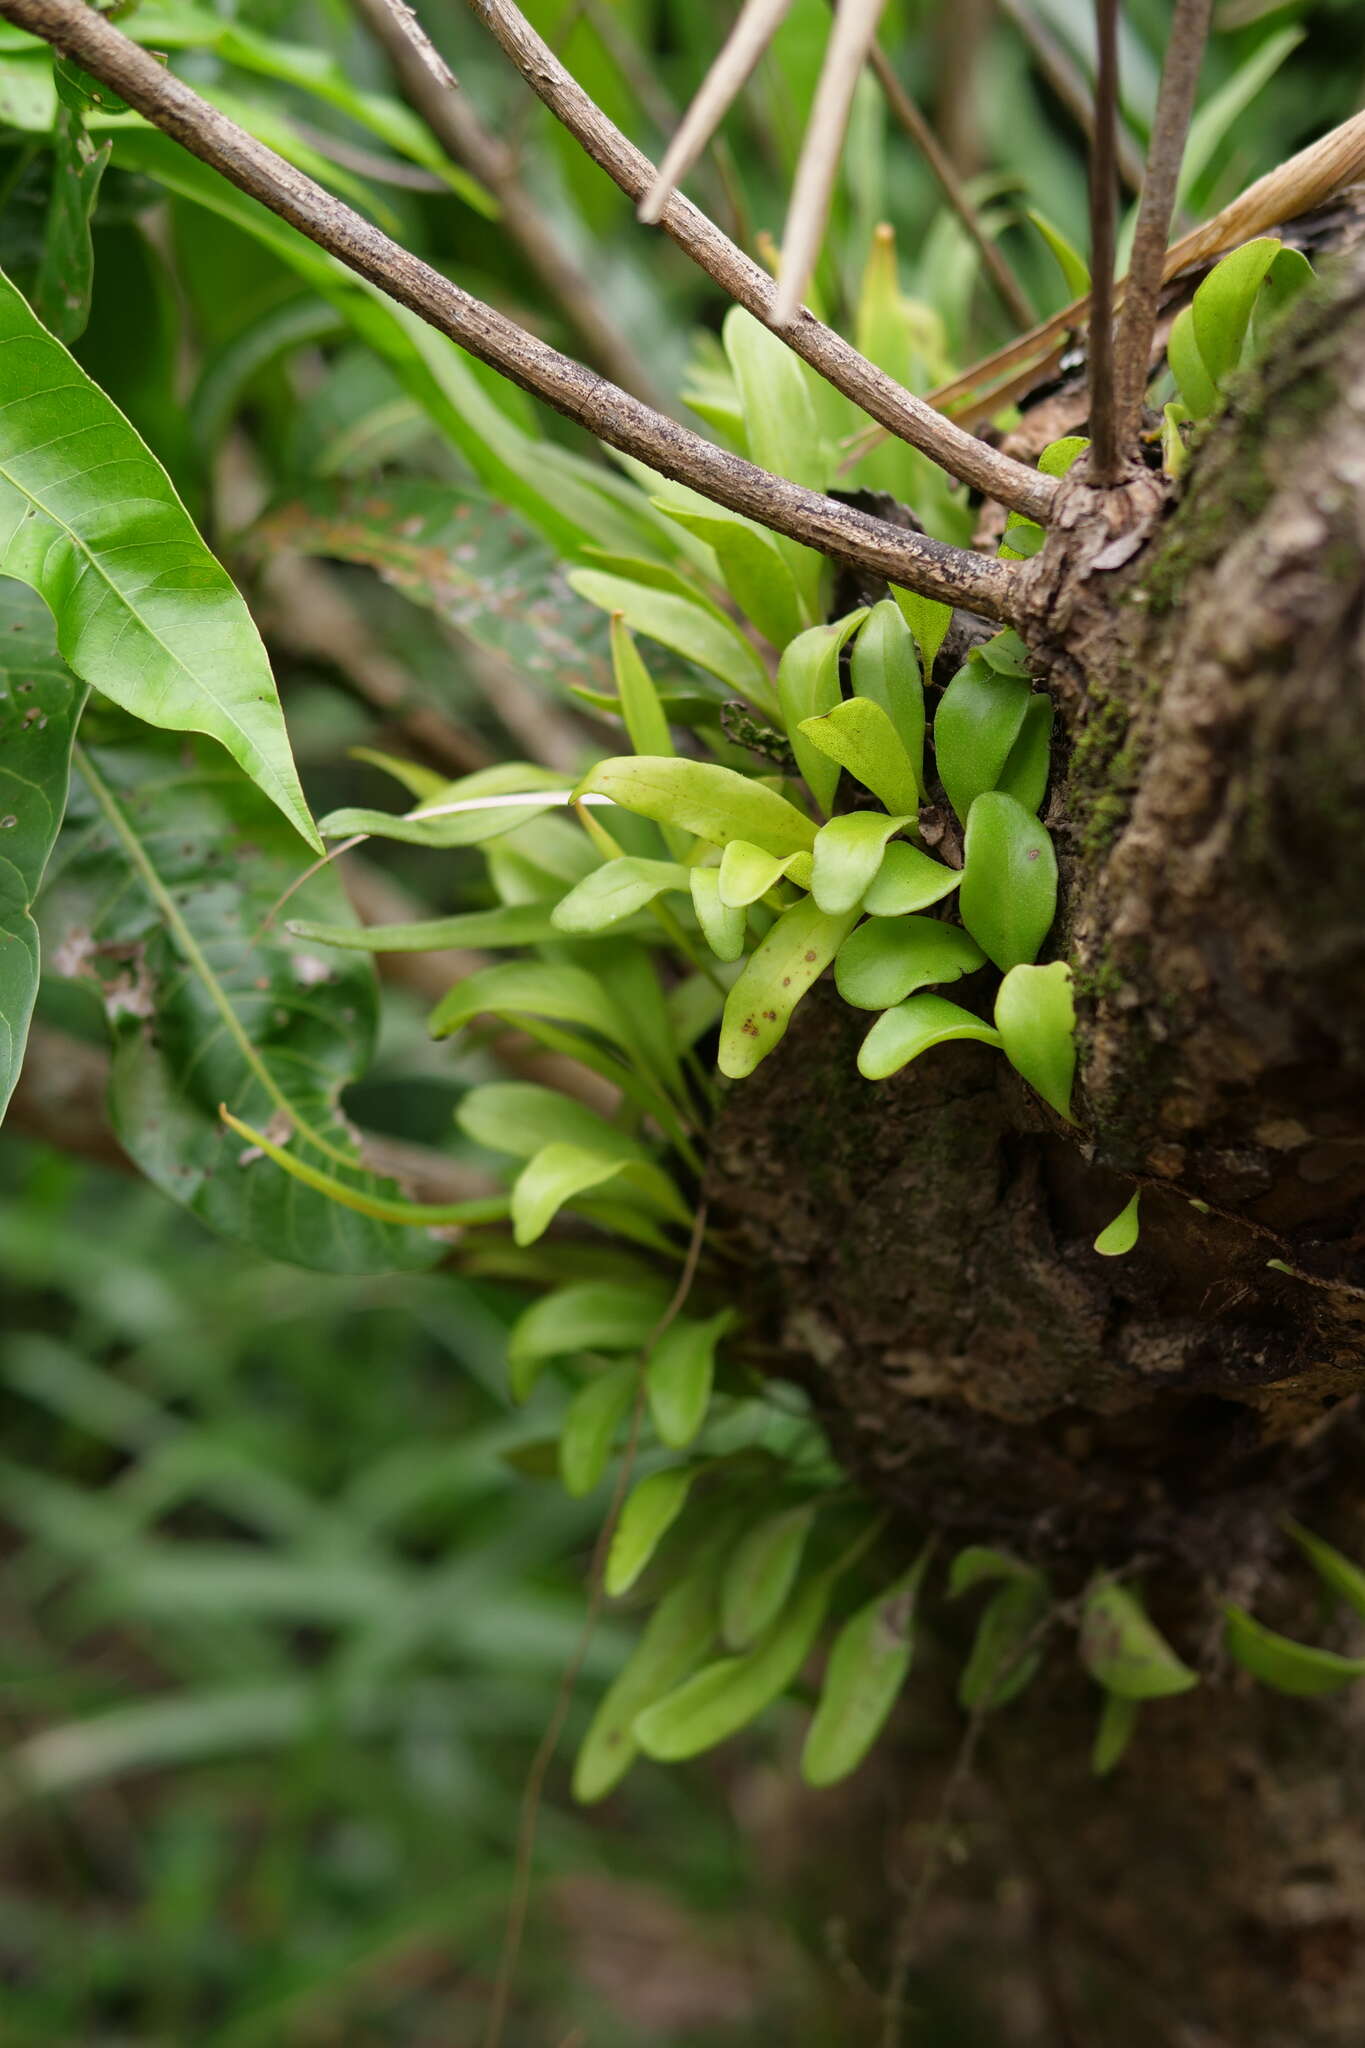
[953,575]
[1010,483]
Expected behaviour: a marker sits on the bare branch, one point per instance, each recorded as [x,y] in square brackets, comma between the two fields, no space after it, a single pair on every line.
[457,127]
[755,27]
[953,575]
[946,178]
[851,38]
[1104,199]
[960,454]
[1175,104]
[1068,82]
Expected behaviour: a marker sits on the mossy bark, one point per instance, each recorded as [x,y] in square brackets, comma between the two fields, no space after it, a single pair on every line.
[924,1247]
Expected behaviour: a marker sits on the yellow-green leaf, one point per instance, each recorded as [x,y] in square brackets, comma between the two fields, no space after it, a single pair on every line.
[679,1374]
[786,963]
[807,683]
[908,880]
[1036,1018]
[1123,1651]
[859,735]
[761,1573]
[1121,1235]
[1283,1664]
[848,853]
[593,1417]
[651,1508]
[715,803]
[725,1696]
[888,958]
[913,1027]
[1008,896]
[867,1667]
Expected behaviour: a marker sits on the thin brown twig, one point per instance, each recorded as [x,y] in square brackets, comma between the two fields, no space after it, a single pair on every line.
[549,1742]
[1104,197]
[1067,80]
[960,454]
[1174,106]
[457,127]
[953,575]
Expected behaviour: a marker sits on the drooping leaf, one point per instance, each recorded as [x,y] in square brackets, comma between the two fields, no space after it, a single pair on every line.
[1073,266]
[868,1665]
[1005,1653]
[722,924]
[67,271]
[701,797]
[980,1562]
[1121,1235]
[522,1116]
[559,1173]
[676,1638]
[616,891]
[586,1315]
[1288,278]
[1196,387]
[783,967]
[725,1696]
[594,1415]
[679,1374]
[1283,1664]
[907,880]
[761,1573]
[913,1027]
[1338,1572]
[90,520]
[1035,1015]
[885,671]
[980,716]
[1123,1651]
[1008,896]
[848,852]
[808,683]
[40,702]
[158,896]
[888,958]
[651,1508]
[746,872]
[1118,1719]
[859,735]
[683,624]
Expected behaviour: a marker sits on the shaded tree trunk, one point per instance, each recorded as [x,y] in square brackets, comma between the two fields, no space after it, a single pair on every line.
[924,1246]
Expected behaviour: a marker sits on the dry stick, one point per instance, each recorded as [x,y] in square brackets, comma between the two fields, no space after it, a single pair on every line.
[850,42]
[757,23]
[457,127]
[950,185]
[1068,82]
[549,1741]
[1175,104]
[1104,206]
[1010,483]
[953,575]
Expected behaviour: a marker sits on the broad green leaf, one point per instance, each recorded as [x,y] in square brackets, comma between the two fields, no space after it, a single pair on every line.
[1283,1664]
[40,702]
[913,1027]
[978,1563]
[757,574]
[520,924]
[782,428]
[593,1417]
[1036,1018]
[1005,654]
[868,1665]
[1121,1235]
[762,1572]
[1187,366]
[887,959]
[158,898]
[1073,266]
[651,1508]
[587,1315]
[679,1374]
[848,853]
[746,872]
[1336,1571]
[929,621]
[885,670]
[676,1638]
[1118,1719]
[90,520]
[521,1117]
[908,879]
[1289,276]
[788,962]
[725,1696]
[532,988]
[722,924]
[616,891]
[701,797]
[1008,896]
[67,271]
[1122,1651]
[1060,456]
[639,700]
[688,627]
[1024,775]
[980,716]
[860,737]
[561,1172]
[1222,306]
[1005,1653]
[807,683]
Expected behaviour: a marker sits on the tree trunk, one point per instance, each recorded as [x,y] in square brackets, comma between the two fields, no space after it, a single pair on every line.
[924,1246]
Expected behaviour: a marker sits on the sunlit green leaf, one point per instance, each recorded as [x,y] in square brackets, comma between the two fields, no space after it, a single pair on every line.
[1196,388]
[913,1027]
[908,879]
[722,924]
[887,959]
[762,1572]
[1073,266]
[808,683]
[929,621]
[782,428]
[561,1172]
[860,737]
[1024,775]
[848,853]
[785,965]
[1283,1664]
[885,670]
[591,1421]
[700,796]
[1035,1015]
[867,1667]
[1121,1235]
[651,1508]
[756,572]
[616,891]
[746,872]
[1222,305]
[521,1116]
[725,1696]
[679,1374]
[1123,1651]
[532,988]
[1008,896]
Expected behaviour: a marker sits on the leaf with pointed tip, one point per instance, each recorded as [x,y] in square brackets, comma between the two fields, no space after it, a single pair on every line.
[1338,1572]
[885,670]
[559,1173]
[1222,305]
[929,620]
[587,1315]
[746,872]
[676,1638]
[1024,775]
[144,613]
[1008,896]
[907,880]
[848,853]
[887,959]
[868,1665]
[1283,1664]
[532,988]
[807,683]
[1121,1235]
[725,1696]
[715,803]
[1036,1018]
[522,1116]
[756,572]
[594,1415]
[762,1572]
[913,1027]
[1004,1658]
[859,735]
[722,924]
[510,924]
[679,1374]
[616,891]
[1187,367]
[684,624]
[980,716]
[62,292]
[784,966]
[782,428]
[1118,1719]
[1124,1653]
[651,1508]
[638,698]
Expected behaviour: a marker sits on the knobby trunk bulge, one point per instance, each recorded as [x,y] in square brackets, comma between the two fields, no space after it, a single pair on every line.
[923,1246]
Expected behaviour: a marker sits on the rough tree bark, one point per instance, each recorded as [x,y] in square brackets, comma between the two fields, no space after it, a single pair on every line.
[924,1246]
